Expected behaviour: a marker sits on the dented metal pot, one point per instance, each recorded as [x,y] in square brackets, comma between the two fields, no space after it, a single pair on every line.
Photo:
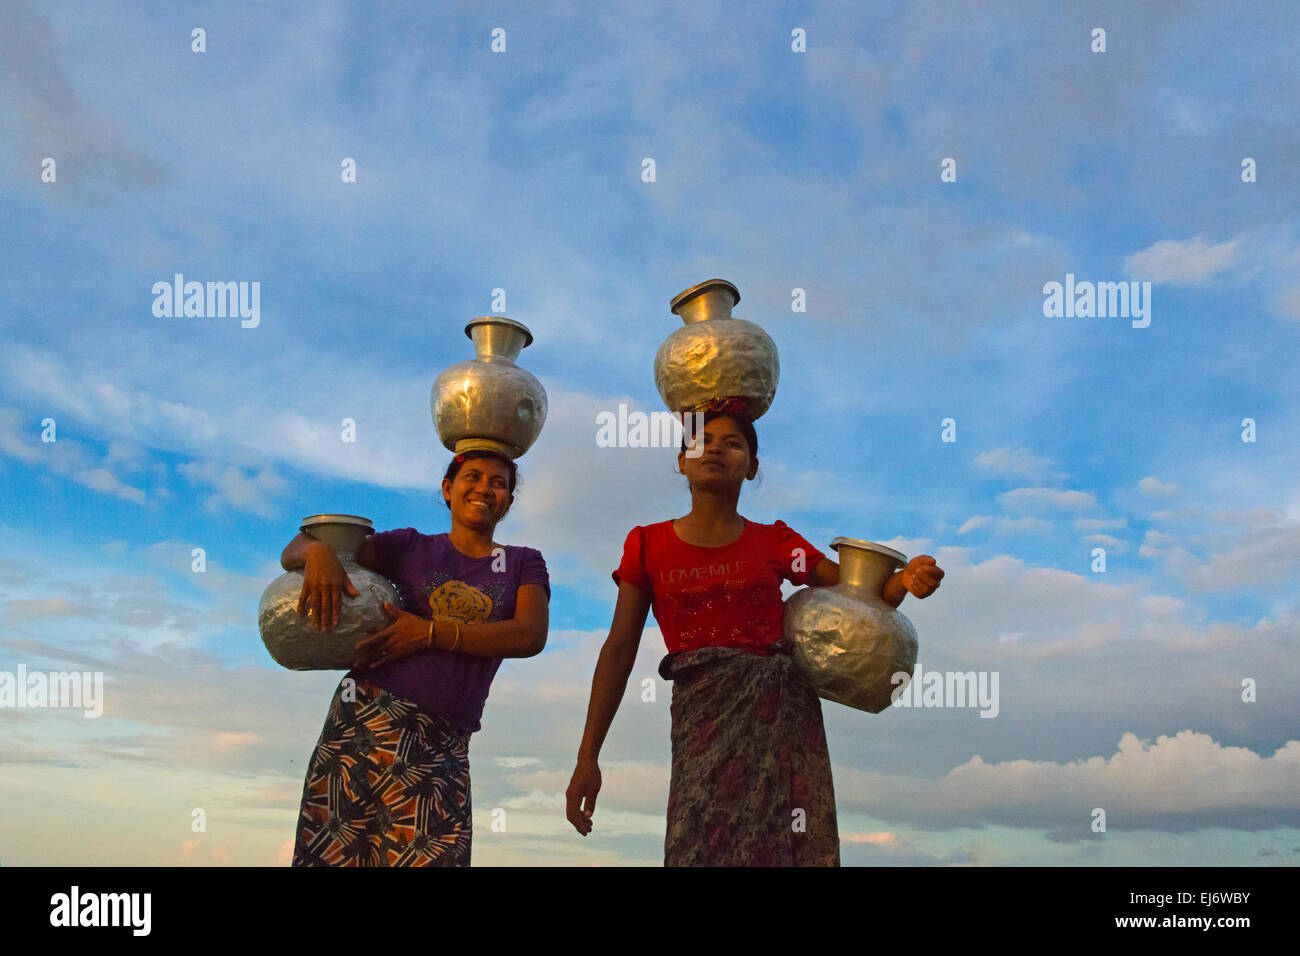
[292,639]
[715,355]
[848,642]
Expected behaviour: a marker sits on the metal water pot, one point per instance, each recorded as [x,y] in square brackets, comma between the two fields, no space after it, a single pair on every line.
[715,355]
[293,640]
[490,402]
[848,642]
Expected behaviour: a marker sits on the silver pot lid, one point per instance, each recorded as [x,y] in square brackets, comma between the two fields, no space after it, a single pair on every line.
[335,519]
[870,546]
[499,320]
[708,285]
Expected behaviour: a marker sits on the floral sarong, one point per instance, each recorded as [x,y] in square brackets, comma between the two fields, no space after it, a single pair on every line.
[751,775]
[388,785]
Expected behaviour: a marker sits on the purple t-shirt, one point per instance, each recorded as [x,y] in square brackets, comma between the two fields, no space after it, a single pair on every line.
[436,580]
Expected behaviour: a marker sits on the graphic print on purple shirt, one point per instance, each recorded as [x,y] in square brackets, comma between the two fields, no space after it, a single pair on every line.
[438,582]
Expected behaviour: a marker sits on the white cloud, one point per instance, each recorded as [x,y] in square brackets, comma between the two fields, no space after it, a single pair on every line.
[128,455]
[1156,487]
[1018,462]
[1183,782]
[1106,541]
[1181,262]
[1046,499]
[238,430]
[1248,517]
[36,609]
[1162,604]
[629,787]
[67,456]
[1256,559]
[101,479]
[1027,525]
[514,762]
[1005,525]
[1100,524]
[908,546]
[1253,549]
[19,442]
[883,838]
[232,488]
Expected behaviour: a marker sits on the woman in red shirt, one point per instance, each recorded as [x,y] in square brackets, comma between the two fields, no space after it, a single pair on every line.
[751,776]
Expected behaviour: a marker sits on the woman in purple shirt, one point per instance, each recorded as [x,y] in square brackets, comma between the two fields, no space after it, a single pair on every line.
[388,782]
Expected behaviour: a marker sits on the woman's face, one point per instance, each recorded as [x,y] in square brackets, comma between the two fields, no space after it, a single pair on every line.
[726,461]
[479,494]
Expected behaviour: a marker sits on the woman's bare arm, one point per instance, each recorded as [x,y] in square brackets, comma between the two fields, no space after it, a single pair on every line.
[617,656]
[614,665]
[827,573]
[294,556]
[324,582]
[524,635]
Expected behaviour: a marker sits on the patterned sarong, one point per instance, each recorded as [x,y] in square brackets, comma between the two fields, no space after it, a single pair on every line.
[751,776]
[388,785]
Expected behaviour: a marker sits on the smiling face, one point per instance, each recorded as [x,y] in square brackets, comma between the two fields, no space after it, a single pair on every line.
[726,461]
[479,494]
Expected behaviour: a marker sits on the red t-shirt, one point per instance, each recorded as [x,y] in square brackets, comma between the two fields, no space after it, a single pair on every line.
[729,596]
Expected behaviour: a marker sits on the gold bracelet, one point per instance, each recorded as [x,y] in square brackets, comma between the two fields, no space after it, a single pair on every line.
[431,644]
[457,643]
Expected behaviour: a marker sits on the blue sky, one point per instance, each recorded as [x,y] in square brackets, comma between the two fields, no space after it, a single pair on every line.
[776,170]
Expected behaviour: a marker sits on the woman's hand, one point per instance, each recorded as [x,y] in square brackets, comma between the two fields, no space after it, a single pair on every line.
[922,576]
[405,634]
[580,798]
[323,584]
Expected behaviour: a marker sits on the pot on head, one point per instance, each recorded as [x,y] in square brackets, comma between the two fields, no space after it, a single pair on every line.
[489,401]
[715,355]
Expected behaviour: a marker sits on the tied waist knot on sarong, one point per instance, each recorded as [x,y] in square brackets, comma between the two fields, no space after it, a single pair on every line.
[685,665]
[751,775]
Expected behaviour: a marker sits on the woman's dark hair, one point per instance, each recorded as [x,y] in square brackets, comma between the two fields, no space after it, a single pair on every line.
[743,422]
[454,467]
